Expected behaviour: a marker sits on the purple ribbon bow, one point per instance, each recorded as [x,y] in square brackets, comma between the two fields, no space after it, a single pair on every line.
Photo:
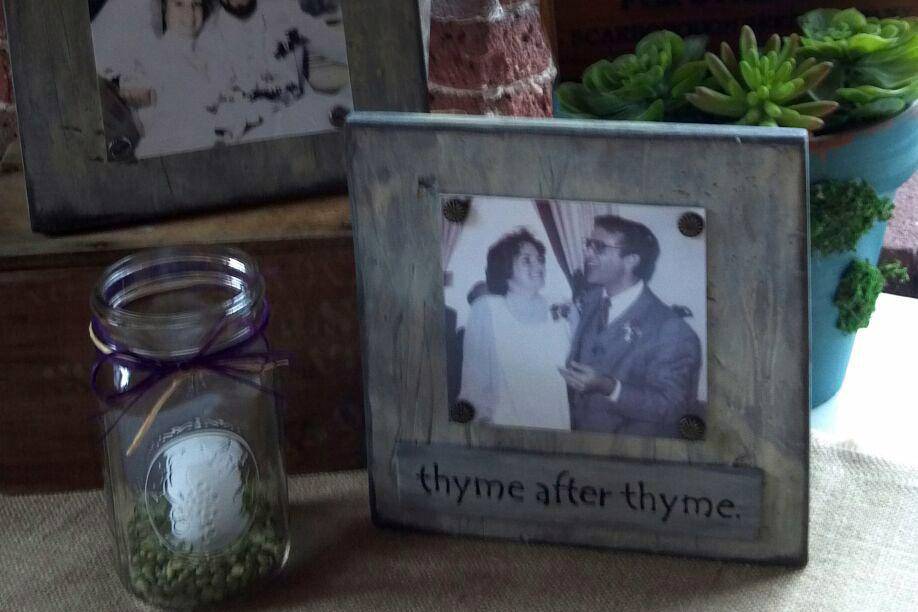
[233,362]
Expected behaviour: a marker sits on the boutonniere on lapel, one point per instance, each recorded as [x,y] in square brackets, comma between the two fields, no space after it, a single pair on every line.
[632,331]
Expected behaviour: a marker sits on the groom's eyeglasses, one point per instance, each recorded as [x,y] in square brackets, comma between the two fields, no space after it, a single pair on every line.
[598,246]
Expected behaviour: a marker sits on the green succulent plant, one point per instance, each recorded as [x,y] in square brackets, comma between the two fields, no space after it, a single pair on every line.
[647,85]
[847,34]
[875,72]
[765,87]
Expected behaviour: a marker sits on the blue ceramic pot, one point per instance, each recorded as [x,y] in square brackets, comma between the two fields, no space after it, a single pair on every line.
[885,155]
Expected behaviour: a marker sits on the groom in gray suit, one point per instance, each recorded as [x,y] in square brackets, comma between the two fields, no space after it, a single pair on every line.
[634,363]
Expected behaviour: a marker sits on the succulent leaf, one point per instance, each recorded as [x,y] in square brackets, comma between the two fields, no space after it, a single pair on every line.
[790,48]
[764,86]
[848,34]
[750,75]
[805,65]
[783,73]
[753,117]
[800,121]
[654,112]
[693,48]
[788,91]
[868,93]
[879,57]
[773,43]
[878,109]
[729,59]
[647,85]
[814,76]
[817,108]
[716,103]
[572,98]
[749,50]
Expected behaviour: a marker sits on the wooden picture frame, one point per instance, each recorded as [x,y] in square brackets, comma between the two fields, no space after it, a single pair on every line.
[749,474]
[70,182]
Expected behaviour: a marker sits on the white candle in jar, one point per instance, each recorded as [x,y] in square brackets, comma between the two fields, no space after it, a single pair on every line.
[204,486]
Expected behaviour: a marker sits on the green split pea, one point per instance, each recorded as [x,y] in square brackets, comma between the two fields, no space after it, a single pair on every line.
[181,578]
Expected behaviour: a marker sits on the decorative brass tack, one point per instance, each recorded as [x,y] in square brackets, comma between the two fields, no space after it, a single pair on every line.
[691,224]
[462,412]
[456,210]
[692,427]
[338,115]
[120,149]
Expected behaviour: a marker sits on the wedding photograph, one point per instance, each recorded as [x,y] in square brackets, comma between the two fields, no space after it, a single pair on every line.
[188,75]
[576,316]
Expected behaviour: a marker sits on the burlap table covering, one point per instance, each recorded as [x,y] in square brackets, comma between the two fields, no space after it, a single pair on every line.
[863,556]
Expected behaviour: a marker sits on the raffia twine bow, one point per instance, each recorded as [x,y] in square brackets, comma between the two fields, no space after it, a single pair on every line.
[235,362]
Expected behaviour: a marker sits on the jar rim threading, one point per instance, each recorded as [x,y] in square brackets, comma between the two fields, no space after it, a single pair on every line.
[157,271]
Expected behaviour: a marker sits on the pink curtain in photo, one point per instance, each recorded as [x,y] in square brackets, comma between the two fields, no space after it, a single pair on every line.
[449,236]
[568,224]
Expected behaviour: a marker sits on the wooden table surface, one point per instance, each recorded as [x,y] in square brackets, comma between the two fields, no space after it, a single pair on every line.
[58,556]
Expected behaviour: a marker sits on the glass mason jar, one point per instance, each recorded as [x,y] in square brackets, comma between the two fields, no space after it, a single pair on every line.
[193,467]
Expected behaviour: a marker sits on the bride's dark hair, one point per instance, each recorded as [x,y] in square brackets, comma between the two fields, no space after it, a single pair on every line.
[501,255]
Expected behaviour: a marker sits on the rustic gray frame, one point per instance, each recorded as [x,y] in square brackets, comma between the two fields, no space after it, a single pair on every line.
[752,183]
[70,184]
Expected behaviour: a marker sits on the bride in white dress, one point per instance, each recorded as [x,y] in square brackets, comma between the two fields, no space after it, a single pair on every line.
[514,343]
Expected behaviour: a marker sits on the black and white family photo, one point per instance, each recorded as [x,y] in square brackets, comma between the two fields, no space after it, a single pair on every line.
[575,316]
[185,75]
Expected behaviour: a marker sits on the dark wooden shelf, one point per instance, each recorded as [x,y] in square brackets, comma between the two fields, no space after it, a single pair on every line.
[320,217]
[48,438]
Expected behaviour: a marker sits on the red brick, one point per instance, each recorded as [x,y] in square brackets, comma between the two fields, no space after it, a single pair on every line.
[531,102]
[448,10]
[478,54]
